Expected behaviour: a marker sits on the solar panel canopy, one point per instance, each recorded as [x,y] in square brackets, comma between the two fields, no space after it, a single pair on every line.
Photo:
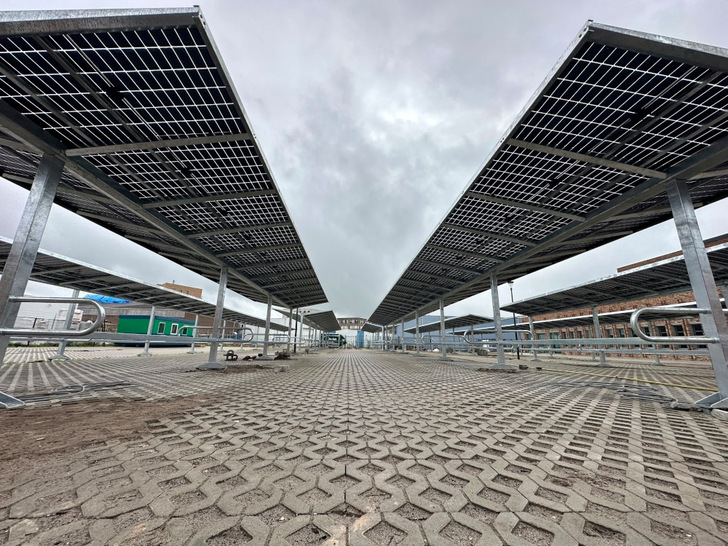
[622,116]
[372,328]
[156,143]
[664,277]
[56,270]
[452,322]
[325,320]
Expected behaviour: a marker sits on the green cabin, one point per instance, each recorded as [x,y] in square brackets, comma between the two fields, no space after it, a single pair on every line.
[170,326]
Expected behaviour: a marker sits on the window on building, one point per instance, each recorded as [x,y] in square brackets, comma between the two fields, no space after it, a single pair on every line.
[173,330]
[620,332]
[160,327]
[696,329]
[679,330]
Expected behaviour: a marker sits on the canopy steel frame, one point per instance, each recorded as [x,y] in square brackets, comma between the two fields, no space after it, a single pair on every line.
[143,172]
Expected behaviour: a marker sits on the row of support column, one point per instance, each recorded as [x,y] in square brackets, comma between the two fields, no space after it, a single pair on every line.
[26,243]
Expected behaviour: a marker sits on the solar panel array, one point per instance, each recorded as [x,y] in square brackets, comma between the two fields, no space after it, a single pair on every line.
[325,321]
[452,322]
[664,277]
[158,146]
[587,162]
[56,270]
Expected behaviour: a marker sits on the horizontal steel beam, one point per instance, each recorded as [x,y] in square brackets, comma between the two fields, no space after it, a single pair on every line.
[585,158]
[490,234]
[156,144]
[465,253]
[208,198]
[272,248]
[525,206]
[238,229]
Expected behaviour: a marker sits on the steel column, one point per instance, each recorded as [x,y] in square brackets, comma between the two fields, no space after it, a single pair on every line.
[598,335]
[150,329]
[212,363]
[290,324]
[417,332]
[656,347]
[60,355]
[443,348]
[533,337]
[194,334]
[403,346]
[704,288]
[26,242]
[266,336]
[300,339]
[501,362]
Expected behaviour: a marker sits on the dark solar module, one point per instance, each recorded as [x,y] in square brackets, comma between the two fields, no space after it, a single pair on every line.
[587,162]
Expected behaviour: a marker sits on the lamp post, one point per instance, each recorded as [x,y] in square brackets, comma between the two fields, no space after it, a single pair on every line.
[515,332]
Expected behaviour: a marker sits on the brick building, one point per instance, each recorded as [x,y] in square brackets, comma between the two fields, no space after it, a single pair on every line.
[677,326]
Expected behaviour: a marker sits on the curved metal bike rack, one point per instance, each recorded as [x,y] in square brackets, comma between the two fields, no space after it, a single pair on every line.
[36,332]
[664,340]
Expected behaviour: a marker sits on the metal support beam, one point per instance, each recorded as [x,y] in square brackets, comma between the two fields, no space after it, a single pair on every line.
[491,234]
[417,332]
[150,330]
[26,243]
[208,199]
[598,334]
[704,288]
[60,355]
[383,340]
[533,336]
[443,346]
[584,158]
[156,144]
[195,334]
[403,345]
[300,318]
[266,336]
[501,358]
[238,229]
[212,363]
[525,206]
[656,347]
[290,324]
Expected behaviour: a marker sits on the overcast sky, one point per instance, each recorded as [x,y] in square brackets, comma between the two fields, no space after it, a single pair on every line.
[375,115]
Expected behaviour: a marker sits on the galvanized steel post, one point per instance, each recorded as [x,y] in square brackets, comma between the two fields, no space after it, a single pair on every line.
[212,363]
[60,355]
[194,334]
[443,347]
[704,288]
[501,362]
[533,338]
[598,335]
[150,329]
[26,242]
[266,336]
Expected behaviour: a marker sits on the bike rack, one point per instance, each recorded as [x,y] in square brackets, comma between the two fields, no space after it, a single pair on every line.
[36,332]
[664,340]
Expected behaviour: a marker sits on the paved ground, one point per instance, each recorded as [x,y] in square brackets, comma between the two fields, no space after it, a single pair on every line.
[367,448]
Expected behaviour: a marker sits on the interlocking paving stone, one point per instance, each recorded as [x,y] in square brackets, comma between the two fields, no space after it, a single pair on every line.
[371,448]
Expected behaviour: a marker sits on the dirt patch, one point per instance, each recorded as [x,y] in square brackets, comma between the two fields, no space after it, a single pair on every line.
[31,434]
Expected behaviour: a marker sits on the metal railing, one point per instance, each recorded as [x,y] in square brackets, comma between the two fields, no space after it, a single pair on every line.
[36,332]
[696,340]
[246,335]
